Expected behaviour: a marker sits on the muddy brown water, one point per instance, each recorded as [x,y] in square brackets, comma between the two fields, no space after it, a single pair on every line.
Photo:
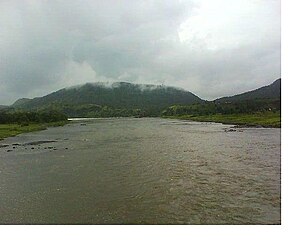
[141,171]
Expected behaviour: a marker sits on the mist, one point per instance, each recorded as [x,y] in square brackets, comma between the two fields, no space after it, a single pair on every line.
[211,48]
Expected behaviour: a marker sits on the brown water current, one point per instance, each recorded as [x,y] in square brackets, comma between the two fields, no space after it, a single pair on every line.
[141,171]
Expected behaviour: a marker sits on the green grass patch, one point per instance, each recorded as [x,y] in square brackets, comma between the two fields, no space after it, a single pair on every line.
[10,130]
[264,119]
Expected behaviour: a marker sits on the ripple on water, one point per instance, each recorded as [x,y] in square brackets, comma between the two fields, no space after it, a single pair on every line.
[150,171]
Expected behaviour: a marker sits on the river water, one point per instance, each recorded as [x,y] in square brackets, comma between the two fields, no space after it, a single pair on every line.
[141,171]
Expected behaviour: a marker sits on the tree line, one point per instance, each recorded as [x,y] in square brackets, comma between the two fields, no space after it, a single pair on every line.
[209,108]
[60,112]
[26,117]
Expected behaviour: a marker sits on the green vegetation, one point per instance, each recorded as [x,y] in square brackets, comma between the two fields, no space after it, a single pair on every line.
[264,119]
[26,117]
[14,122]
[272,91]
[260,112]
[10,130]
[214,107]
[100,111]
[117,100]
[260,107]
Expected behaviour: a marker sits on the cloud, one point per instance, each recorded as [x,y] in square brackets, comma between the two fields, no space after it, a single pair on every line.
[212,48]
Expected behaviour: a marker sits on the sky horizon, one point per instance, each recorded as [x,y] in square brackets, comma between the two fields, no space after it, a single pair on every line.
[144,83]
[212,48]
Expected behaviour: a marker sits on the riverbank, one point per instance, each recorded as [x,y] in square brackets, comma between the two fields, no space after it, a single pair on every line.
[10,130]
[129,170]
[267,119]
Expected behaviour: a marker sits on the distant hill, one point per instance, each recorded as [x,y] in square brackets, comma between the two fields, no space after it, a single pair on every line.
[261,100]
[3,107]
[101,99]
[272,91]
[21,101]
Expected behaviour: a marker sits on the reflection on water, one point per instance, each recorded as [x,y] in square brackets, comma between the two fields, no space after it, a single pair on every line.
[141,171]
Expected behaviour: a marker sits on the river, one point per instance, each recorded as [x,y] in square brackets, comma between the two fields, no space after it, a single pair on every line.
[141,171]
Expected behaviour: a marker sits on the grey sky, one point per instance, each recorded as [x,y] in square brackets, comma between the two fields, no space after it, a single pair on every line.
[213,48]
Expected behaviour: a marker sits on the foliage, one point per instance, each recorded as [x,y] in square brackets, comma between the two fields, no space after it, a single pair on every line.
[119,100]
[259,107]
[10,130]
[264,119]
[26,117]
[208,108]
[272,91]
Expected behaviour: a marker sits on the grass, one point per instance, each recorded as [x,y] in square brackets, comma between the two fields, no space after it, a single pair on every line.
[10,130]
[266,119]
[263,119]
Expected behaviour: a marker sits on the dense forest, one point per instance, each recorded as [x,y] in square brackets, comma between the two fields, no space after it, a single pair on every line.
[61,112]
[264,99]
[94,110]
[127,100]
[208,108]
[26,117]
[117,99]
[272,91]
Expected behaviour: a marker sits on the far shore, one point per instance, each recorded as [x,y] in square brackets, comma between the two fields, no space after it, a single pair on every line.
[13,129]
[265,120]
[258,120]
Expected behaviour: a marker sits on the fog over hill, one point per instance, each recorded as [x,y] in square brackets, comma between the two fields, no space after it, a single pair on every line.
[3,106]
[119,95]
[213,48]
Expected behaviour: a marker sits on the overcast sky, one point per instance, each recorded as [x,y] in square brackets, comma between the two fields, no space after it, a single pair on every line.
[213,48]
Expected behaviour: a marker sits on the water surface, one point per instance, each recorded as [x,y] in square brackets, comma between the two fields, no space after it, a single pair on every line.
[141,171]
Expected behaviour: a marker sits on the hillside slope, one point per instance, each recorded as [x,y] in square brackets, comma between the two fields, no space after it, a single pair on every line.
[94,97]
[3,107]
[264,102]
[272,91]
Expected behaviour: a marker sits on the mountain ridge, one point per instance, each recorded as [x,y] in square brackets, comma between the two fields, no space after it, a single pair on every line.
[271,91]
[103,99]
[119,95]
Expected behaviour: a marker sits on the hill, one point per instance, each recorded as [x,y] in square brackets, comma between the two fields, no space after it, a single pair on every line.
[3,107]
[261,100]
[106,100]
[21,101]
[272,91]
